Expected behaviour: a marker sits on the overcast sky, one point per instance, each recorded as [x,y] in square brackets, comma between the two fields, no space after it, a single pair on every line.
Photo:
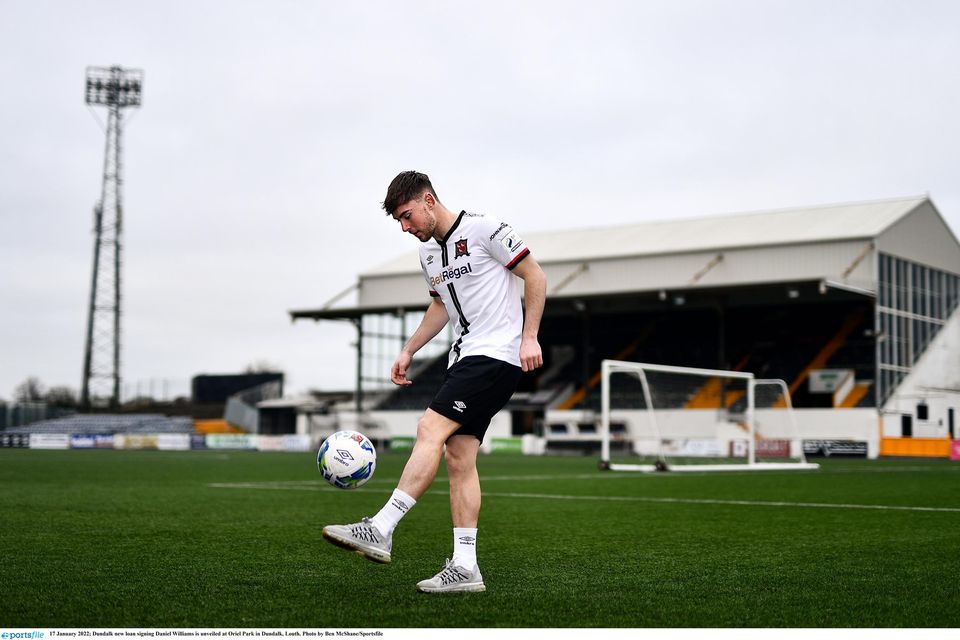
[269,131]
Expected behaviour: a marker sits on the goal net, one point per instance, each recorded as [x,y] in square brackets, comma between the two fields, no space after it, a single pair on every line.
[659,417]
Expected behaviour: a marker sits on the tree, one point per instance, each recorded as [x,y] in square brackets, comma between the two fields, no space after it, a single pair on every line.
[262,366]
[30,390]
[62,396]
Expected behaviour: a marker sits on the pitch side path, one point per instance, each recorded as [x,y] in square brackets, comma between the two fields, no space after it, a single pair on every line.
[232,539]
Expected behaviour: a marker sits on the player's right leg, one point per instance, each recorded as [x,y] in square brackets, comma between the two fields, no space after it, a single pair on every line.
[433,430]
[361,537]
[373,537]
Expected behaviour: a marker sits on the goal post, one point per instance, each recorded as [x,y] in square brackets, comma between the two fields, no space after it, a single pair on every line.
[691,419]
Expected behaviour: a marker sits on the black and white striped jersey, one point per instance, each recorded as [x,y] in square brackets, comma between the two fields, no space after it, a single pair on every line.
[470,271]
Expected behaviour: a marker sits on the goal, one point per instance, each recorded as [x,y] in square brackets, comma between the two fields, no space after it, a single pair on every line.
[667,418]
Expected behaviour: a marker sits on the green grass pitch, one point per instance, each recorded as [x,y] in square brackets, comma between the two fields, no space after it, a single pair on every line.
[232,539]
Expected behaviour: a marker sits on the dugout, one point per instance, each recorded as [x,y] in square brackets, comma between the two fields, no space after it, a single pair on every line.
[853,305]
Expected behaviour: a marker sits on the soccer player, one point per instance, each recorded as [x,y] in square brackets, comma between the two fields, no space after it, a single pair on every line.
[468,261]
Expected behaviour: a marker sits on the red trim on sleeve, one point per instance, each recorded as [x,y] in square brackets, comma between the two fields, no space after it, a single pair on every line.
[434,294]
[523,254]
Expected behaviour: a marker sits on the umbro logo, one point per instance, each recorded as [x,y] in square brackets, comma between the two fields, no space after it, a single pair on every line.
[459,406]
[468,540]
[401,505]
[430,259]
[343,453]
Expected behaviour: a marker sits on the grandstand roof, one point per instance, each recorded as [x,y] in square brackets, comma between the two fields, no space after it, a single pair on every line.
[834,245]
[831,222]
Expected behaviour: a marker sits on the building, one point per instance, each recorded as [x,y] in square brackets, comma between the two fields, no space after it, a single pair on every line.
[862,296]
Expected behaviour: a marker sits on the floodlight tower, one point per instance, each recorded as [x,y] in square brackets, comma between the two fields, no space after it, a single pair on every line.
[115,88]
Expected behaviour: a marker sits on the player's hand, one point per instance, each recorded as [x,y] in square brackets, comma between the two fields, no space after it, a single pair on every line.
[531,357]
[398,374]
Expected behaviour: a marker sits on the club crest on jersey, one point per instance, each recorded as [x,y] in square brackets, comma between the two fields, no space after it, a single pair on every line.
[460,248]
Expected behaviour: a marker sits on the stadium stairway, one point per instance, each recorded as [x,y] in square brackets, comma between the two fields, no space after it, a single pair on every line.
[578,396]
[860,391]
[708,396]
[853,320]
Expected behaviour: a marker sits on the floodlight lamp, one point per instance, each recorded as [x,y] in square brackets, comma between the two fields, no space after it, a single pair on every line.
[114,86]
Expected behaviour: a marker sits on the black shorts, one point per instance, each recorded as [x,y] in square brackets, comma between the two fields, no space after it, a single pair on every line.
[475,389]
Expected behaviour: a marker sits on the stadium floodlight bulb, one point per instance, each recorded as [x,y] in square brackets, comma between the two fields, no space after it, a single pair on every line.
[114,86]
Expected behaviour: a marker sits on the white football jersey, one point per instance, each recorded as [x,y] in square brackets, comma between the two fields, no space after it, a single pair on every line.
[470,271]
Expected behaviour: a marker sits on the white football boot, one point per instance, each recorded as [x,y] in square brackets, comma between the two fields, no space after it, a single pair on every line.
[452,579]
[361,537]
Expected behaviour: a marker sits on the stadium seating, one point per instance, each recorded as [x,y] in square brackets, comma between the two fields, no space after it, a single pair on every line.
[109,423]
[429,376]
[771,342]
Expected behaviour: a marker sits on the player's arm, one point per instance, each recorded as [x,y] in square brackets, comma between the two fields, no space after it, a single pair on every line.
[534,297]
[434,320]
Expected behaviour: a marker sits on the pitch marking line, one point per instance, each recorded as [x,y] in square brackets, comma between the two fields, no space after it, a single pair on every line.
[746,503]
[314,486]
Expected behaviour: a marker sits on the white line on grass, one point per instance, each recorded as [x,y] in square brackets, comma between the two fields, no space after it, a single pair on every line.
[746,503]
[315,486]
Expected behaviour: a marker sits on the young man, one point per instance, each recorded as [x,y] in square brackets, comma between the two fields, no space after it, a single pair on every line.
[469,262]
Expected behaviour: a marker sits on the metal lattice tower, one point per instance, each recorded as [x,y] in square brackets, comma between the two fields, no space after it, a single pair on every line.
[115,88]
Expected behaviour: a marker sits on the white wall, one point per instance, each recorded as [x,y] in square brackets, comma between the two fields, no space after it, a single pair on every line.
[860,425]
[404,423]
[934,381]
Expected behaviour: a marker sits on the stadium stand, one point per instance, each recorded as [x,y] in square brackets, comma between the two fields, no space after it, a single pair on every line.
[429,375]
[775,342]
[109,424]
[855,291]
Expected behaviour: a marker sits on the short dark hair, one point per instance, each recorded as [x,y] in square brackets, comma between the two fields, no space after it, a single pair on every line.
[405,187]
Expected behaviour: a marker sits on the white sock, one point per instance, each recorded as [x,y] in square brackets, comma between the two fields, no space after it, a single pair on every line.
[389,516]
[465,548]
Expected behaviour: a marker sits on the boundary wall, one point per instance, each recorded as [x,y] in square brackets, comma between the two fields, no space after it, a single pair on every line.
[159,441]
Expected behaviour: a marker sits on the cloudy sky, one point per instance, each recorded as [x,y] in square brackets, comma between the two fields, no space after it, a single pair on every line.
[269,131]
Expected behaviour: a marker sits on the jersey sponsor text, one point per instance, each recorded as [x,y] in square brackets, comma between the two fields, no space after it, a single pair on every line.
[453,273]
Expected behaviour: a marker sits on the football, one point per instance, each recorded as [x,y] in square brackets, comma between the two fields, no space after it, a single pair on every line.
[347,459]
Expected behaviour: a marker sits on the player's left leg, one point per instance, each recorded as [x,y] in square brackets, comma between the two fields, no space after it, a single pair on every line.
[461,573]
[490,383]
[461,460]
